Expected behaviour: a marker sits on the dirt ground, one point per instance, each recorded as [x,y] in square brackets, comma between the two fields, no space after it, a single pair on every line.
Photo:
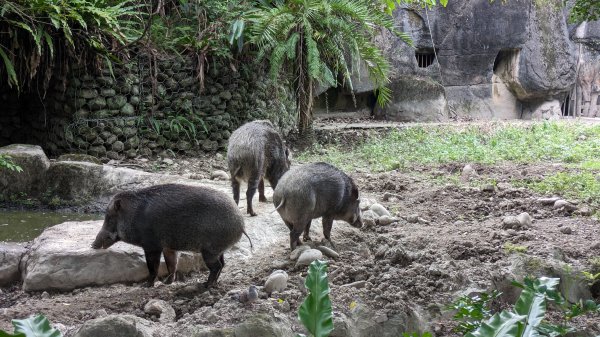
[449,241]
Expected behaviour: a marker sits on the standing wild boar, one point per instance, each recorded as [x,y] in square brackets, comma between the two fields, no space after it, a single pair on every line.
[255,152]
[316,190]
[169,218]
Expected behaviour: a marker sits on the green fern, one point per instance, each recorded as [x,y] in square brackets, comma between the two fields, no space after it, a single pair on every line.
[321,41]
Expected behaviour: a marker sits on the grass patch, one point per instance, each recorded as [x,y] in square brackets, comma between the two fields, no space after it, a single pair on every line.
[584,186]
[510,248]
[487,144]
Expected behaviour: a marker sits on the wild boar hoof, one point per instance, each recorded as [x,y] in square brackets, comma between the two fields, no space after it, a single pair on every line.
[262,198]
[252,213]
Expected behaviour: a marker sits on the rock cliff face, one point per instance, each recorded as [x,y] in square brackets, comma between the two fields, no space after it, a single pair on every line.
[480,60]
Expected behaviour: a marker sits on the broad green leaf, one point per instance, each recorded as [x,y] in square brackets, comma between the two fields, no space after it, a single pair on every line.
[316,312]
[37,326]
[532,305]
[504,324]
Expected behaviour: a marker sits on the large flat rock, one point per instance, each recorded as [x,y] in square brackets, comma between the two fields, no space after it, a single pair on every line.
[62,259]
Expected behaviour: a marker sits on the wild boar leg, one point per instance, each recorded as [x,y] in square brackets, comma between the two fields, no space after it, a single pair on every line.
[214,265]
[171,262]
[327,224]
[261,190]
[306,236]
[295,237]
[153,262]
[252,186]
[235,185]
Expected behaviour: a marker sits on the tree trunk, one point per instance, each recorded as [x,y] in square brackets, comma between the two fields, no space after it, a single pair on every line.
[305,106]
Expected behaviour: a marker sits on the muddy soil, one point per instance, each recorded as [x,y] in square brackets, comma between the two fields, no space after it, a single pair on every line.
[449,241]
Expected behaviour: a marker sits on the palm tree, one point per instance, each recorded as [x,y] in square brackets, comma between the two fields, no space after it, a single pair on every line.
[321,41]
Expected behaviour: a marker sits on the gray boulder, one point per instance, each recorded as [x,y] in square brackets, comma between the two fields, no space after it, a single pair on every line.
[61,258]
[264,326]
[75,181]
[29,182]
[116,326]
[10,257]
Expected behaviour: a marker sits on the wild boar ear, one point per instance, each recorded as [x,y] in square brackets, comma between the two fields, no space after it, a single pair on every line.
[354,192]
[117,204]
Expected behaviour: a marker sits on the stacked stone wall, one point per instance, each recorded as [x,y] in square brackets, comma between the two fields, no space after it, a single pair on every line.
[146,107]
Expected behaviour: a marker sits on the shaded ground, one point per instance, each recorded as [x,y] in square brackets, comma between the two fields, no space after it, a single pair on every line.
[449,241]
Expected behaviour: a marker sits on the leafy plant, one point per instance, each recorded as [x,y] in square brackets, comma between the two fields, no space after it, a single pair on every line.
[319,41]
[6,162]
[527,317]
[315,313]
[44,37]
[471,311]
[33,326]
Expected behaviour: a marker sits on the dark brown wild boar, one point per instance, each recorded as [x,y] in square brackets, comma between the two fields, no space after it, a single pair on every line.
[170,218]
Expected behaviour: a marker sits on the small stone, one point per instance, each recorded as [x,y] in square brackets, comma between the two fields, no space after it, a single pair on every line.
[596,245]
[412,218]
[219,156]
[385,220]
[567,206]
[525,219]
[379,210]
[566,230]
[467,173]
[329,252]
[45,295]
[511,232]
[308,256]
[423,221]
[380,252]
[168,161]
[219,175]
[279,264]
[357,284]
[488,188]
[548,201]
[162,309]
[100,313]
[277,281]
[584,211]
[511,221]
[380,318]
[366,203]
[298,251]
[503,186]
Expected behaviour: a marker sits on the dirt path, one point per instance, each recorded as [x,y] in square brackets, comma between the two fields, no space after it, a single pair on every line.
[449,241]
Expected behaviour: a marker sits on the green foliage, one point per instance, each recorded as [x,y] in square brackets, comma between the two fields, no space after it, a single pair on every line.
[487,144]
[34,326]
[198,26]
[471,311]
[414,334]
[45,35]
[527,317]
[6,162]
[319,41]
[581,185]
[510,248]
[585,10]
[390,5]
[316,312]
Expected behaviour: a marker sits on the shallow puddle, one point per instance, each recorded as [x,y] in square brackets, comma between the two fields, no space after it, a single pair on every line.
[21,226]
